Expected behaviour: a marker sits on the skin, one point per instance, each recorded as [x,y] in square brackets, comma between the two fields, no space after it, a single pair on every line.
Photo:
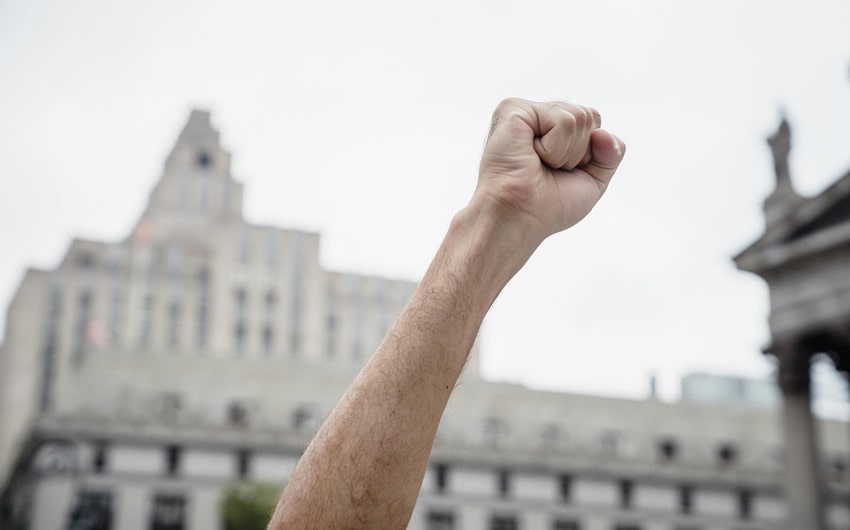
[544,167]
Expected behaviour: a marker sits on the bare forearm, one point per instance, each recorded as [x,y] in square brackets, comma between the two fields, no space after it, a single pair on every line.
[366,463]
[543,169]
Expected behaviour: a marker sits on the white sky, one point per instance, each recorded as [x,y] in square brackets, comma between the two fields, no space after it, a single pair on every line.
[365,120]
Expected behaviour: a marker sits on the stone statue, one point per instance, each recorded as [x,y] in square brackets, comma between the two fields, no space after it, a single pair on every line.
[780,144]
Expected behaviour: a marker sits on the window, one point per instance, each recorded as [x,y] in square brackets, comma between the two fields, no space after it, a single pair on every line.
[566,524]
[92,510]
[668,450]
[172,459]
[383,303]
[202,280]
[48,355]
[838,468]
[241,298]
[504,484]
[609,443]
[356,297]
[204,160]
[565,486]
[550,436]
[243,463]
[745,504]
[295,342]
[686,494]
[168,512]
[83,318]
[302,420]
[170,405]
[626,490]
[116,312]
[440,520]
[98,463]
[174,313]
[268,338]
[504,522]
[239,337]
[495,430]
[175,297]
[271,302]
[145,324]
[441,476]
[116,304]
[298,244]
[330,335]
[85,261]
[85,267]
[268,328]
[237,414]
[727,454]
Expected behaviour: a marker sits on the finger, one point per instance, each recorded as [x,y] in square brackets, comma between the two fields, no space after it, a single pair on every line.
[591,119]
[608,151]
[559,124]
[594,114]
[580,141]
[597,117]
[597,123]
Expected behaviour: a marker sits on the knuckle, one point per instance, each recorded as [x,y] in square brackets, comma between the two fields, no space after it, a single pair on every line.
[580,117]
[506,102]
[569,120]
[506,109]
[505,106]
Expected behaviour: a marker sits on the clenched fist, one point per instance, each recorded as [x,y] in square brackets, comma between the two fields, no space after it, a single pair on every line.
[546,165]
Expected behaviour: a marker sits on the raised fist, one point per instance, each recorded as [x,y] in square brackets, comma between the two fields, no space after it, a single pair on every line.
[546,164]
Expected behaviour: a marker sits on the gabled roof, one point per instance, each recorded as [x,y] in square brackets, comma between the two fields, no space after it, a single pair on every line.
[830,208]
[805,226]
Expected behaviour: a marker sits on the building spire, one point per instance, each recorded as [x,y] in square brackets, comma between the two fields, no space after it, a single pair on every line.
[199,130]
[196,186]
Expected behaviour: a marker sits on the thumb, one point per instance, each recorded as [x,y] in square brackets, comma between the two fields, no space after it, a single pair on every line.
[607,152]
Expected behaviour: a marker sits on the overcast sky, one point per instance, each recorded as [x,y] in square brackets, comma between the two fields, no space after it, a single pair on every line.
[364,121]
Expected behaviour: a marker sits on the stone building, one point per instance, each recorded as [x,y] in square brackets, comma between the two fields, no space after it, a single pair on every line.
[138,379]
[804,255]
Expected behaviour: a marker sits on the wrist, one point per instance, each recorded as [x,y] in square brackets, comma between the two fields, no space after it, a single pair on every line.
[495,244]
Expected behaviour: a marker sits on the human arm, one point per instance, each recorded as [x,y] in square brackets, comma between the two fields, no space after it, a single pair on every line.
[544,167]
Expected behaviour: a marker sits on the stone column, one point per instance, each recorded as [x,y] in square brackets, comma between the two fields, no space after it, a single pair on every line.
[803,488]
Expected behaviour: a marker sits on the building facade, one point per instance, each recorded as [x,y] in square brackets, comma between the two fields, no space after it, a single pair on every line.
[139,379]
[804,256]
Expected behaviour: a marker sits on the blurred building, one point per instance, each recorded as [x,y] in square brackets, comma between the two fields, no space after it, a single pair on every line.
[730,390]
[140,378]
[804,256]
[830,392]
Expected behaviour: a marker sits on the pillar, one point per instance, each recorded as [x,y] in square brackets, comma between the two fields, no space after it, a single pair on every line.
[803,487]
